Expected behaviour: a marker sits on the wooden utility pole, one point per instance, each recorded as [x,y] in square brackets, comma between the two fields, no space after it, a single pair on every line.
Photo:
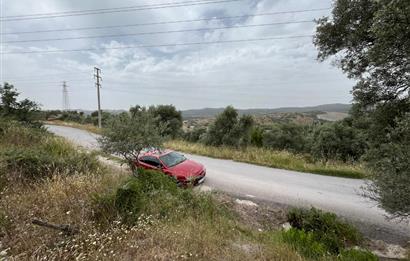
[98,80]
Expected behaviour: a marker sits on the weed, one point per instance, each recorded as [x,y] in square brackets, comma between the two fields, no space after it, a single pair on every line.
[357,255]
[31,153]
[327,228]
[305,243]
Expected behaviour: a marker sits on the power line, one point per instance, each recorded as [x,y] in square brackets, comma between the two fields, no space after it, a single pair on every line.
[44,82]
[29,77]
[99,9]
[113,10]
[161,45]
[167,22]
[158,32]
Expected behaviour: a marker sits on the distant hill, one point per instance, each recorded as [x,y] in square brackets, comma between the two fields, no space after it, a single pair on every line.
[212,112]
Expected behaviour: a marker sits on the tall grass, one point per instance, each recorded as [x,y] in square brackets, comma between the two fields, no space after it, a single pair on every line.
[170,224]
[271,158]
[29,153]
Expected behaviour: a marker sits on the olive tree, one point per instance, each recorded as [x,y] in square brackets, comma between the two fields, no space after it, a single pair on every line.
[171,116]
[230,129]
[127,134]
[371,43]
[11,108]
[390,166]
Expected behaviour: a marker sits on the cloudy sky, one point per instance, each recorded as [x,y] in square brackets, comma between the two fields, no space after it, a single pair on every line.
[247,74]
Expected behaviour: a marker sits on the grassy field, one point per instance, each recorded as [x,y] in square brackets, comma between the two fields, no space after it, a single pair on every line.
[116,217]
[270,158]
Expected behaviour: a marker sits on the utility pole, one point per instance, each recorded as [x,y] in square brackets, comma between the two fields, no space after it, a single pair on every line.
[66,103]
[98,80]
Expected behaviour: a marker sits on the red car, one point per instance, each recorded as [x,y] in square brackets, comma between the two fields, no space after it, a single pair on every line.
[174,164]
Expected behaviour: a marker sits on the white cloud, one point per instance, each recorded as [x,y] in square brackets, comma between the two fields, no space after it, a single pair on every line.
[249,74]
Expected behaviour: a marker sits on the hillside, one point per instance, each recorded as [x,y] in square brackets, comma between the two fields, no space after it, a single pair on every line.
[212,112]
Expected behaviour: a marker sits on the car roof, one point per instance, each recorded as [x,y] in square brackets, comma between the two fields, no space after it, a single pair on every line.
[156,152]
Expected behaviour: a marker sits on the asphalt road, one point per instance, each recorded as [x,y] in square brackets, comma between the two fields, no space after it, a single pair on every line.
[340,195]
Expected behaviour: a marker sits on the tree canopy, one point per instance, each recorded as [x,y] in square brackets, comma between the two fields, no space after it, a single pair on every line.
[371,42]
[11,108]
[230,129]
[169,115]
[128,133]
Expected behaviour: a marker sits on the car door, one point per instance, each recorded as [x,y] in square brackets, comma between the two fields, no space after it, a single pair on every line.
[150,162]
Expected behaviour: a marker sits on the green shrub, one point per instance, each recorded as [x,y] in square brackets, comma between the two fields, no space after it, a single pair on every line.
[196,135]
[153,193]
[326,228]
[305,243]
[285,136]
[337,141]
[229,129]
[104,210]
[17,134]
[129,200]
[37,163]
[28,153]
[154,181]
[357,255]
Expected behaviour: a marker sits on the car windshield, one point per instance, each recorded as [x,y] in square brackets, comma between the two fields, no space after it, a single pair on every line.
[171,159]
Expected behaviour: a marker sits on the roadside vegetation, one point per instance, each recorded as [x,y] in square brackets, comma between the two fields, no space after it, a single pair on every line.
[270,158]
[58,202]
[105,214]
[110,214]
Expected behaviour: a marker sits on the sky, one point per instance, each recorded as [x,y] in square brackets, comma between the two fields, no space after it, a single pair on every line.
[153,70]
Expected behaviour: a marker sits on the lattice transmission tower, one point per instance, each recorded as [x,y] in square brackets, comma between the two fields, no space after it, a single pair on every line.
[66,102]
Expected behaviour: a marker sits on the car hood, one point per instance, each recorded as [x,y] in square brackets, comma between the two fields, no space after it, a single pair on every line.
[187,168]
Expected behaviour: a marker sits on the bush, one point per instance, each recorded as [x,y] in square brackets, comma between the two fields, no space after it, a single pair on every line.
[30,153]
[337,141]
[154,181]
[357,255]
[35,163]
[257,137]
[153,193]
[326,228]
[19,134]
[287,136]
[305,243]
[195,135]
[129,200]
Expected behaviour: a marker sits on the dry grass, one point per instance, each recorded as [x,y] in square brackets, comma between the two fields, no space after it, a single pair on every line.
[69,200]
[88,127]
[270,158]
[195,234]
